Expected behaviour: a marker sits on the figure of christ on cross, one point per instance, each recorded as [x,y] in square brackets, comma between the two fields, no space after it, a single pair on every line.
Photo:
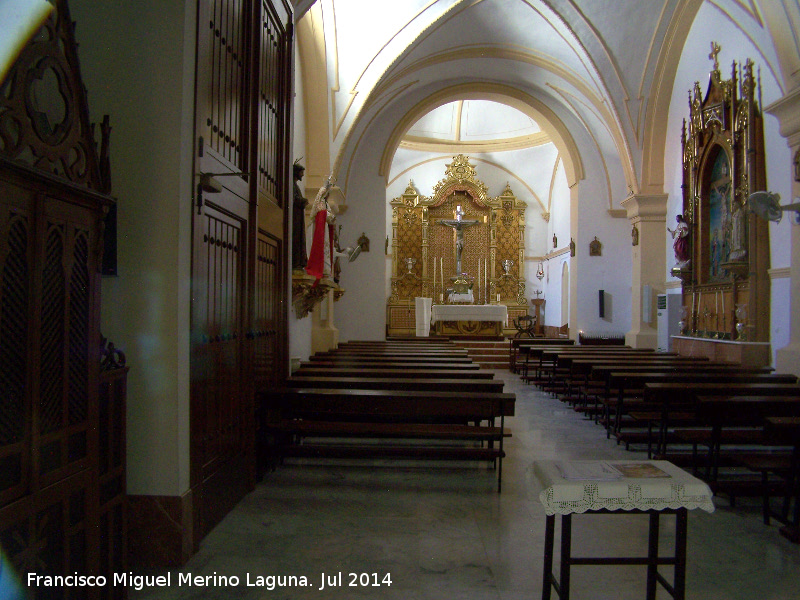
[458,224]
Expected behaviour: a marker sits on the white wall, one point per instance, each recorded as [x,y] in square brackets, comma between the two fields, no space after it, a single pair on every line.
[137,61]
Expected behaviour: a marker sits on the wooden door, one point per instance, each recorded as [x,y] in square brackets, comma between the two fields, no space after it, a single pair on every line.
[242,139]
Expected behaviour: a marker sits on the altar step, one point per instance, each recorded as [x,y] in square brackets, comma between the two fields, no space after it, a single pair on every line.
[488,354]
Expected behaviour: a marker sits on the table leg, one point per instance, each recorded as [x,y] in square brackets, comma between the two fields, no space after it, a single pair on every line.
[547,577]
[652,557]
[566,553]
[679,584]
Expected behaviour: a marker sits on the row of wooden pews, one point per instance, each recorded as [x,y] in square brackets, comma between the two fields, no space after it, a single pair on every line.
[736,427]
[411,400]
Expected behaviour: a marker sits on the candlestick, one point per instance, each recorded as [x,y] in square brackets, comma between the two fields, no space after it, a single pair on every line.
[486,281]
[434,275]
[716,302]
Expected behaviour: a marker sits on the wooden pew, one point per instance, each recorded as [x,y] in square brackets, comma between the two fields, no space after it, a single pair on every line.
[677,397]
[393,358]
[782,431]
[392,365]
[598,387]
[577,370]
[722,412]
[397,383]
[518,347]
[548,358]
[318,370]
[561,362]
[654,400]
[352,415]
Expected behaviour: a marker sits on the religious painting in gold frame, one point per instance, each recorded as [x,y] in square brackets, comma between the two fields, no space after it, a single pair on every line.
[723,163]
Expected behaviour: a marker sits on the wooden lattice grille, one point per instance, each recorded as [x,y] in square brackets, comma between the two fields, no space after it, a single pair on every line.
[225,103]
[267,313]
[273,105]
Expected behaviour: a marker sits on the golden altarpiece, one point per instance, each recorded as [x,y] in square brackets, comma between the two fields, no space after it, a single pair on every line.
[726,291]
[426,257]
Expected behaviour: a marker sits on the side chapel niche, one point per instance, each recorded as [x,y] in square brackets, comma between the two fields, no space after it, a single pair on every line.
[726,292]
[424,248]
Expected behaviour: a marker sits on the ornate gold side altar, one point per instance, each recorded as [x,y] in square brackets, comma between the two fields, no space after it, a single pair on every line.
[459,225]
[726,291]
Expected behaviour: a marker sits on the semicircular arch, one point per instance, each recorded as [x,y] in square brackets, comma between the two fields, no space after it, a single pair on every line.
[525,103]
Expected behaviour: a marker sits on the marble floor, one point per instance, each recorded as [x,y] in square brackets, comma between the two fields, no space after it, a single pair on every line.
[442,531]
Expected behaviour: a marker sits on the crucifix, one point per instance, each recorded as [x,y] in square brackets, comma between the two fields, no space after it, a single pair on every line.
[715,48]
[458,224]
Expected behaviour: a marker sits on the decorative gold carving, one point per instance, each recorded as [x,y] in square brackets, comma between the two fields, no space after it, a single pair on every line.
[723,163]
[306,293]
[417,234]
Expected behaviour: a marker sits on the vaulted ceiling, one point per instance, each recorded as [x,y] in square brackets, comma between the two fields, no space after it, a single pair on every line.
[588,74]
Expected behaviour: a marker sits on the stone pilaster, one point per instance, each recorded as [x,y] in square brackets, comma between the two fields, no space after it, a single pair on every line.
[647,213]
[787,110]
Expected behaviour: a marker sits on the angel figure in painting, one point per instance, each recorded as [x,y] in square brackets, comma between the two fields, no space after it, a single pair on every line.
[680,245]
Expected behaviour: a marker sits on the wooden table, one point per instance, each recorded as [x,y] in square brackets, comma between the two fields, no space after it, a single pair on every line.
[646,487]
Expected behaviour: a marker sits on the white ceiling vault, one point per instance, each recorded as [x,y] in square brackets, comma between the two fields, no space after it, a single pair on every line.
[591,76]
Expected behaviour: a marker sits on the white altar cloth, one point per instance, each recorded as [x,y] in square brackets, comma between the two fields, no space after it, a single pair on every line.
[660,485]
[423,312]
[469,312]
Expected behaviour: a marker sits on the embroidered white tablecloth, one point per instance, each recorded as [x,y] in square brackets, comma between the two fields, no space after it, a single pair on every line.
[469,312]
[580,486]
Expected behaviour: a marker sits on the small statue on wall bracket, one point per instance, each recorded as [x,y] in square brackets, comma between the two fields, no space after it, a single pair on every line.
[363,241]
[555,241]
[571,247]
[635,236]
[595,247]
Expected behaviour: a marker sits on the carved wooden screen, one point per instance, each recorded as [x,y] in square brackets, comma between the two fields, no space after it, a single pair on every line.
[725,280]
[238,342]
[51,213]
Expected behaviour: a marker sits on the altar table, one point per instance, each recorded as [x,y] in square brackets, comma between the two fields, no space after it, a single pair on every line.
[650,487]
[469,319]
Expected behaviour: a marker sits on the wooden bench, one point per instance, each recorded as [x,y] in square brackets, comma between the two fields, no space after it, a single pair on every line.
[657,403]
[392,365]
[318,370]
[377,358]
[397,383]
[597,388]
[675,398]
[352,416]
[518,347]
[783,431]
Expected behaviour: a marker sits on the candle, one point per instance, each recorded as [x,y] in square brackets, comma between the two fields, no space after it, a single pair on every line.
[485,281]
[694,295]
[723,301]
[434,275]
[479,279]
[716,302]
